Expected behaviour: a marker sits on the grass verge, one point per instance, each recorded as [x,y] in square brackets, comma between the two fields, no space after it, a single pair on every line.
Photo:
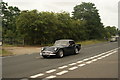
[88,42]
[5,53]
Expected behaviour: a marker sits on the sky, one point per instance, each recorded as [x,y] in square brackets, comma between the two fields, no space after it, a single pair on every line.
[108,9]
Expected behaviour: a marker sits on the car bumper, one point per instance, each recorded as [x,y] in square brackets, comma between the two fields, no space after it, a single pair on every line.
[47,53]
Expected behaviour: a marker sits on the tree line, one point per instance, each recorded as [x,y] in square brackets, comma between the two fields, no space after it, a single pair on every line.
[36,28]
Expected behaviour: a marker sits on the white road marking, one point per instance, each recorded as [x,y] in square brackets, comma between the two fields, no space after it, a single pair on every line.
[91,57]
[110,53]
[86,59]
[94,60]
[89,62]
[73,68]
[96,56]
[104,53]
[62,72]
[72,64]
[99,58]
[50,71]
[107,55]
[79,61]
[49,77]
[100,54]
[38,75]
[103,56]
[81,65]
[62,67]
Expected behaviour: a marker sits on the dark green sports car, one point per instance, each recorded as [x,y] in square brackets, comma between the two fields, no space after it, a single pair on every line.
[61,48]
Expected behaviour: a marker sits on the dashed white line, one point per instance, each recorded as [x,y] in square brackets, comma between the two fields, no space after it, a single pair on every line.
[62,72]
[103,53]
[79,61]
[110,53]
[72,64]
[50,71]
[49,77]
[99,58]
[38,75]
[94,60]
[62,67]
[81,65]
[107,55]
[73,68]
[91,57]
[86,59]
[100,54]
[96,56]
[89,62]
[103,56]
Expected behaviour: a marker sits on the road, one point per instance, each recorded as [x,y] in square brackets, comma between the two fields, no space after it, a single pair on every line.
[34,66]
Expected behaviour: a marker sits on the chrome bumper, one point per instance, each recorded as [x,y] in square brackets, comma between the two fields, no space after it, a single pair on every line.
[49,53]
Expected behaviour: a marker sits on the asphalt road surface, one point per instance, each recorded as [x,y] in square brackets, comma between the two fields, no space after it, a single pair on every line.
[94,61]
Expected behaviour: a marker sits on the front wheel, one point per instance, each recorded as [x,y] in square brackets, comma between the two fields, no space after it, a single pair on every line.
[60,54]
[44,56]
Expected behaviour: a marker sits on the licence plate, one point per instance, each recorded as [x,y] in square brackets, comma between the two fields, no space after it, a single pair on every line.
[45,53]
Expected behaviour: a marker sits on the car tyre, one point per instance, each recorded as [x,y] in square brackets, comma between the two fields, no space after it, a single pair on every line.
[44,56]
[76,50]
[60,54]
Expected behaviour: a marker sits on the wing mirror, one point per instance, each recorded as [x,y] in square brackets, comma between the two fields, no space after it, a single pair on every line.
[72,45]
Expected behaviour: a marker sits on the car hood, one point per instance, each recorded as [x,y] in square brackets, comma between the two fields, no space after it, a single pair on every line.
[52,48]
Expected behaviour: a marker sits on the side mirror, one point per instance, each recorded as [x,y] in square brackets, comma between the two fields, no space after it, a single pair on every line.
[71,45]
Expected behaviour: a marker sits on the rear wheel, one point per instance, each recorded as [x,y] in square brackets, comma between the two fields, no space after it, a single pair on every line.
[76,50]
[60,54]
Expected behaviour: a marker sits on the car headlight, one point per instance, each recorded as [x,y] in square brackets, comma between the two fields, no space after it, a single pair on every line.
[55,49]
[42,48]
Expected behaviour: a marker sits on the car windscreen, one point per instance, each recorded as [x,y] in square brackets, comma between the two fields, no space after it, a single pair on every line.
[61,43]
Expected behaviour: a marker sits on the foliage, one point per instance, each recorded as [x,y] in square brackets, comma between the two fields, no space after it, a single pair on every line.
[87,42]
[9,15]
[111,31]
[33,27]
[88,12]
[4,52]
[46,27]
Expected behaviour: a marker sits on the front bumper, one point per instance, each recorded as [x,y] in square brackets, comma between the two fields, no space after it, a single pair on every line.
[47,53]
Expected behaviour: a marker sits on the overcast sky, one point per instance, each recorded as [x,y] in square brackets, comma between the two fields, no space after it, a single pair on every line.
[108,9]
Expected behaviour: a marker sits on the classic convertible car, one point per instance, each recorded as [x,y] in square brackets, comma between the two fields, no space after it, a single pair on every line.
[60,49]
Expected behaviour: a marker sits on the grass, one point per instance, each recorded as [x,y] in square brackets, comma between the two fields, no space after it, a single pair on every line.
[5,53]
[88,42]
[7,45]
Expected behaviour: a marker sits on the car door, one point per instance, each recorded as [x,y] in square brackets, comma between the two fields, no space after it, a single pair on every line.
[71,47]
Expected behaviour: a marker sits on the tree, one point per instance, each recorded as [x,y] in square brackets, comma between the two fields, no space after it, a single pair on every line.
[9,14]
[27,23]
[111,31]
[87,12]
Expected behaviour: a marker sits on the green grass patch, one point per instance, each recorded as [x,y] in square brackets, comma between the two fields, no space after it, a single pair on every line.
[5,53]
[88,42]
[8,45]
